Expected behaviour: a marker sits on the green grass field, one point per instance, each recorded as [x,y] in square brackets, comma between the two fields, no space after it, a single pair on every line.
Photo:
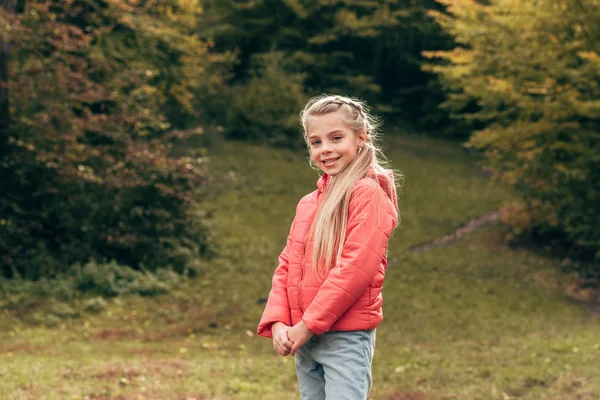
[471,320]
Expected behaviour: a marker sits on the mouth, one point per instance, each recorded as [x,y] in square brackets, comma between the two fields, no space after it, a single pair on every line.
[330,161]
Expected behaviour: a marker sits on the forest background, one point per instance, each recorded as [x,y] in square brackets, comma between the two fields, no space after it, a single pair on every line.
[147,154]
[96,95]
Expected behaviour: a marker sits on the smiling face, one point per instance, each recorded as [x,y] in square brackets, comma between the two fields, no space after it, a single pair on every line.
[333,145]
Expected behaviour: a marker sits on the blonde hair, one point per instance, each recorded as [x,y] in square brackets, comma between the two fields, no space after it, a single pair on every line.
[329,226]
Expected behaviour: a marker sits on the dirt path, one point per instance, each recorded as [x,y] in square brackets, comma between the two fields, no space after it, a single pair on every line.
[473,224]
[591,306]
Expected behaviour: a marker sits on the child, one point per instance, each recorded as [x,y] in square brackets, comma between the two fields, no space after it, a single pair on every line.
[325,301]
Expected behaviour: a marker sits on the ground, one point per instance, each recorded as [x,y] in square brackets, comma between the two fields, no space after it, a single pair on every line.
[471,319]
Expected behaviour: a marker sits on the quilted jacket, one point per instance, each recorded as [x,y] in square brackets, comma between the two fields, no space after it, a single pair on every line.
[350,297]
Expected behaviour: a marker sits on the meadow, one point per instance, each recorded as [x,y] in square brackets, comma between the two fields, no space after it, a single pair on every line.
[474,319]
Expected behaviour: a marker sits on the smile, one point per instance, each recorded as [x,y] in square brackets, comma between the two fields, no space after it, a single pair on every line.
[330,161]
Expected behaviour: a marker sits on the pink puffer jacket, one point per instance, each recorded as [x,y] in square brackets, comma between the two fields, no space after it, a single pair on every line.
[350,297]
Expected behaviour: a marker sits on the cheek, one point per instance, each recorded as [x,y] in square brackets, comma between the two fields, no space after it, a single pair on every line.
[352,152]
[313,154]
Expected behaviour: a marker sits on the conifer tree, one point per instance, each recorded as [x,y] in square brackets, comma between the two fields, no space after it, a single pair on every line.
[369,49]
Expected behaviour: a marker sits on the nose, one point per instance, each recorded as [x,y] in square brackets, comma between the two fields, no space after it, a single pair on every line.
[325,148]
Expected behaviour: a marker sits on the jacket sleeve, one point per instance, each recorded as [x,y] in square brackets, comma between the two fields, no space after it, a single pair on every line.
[367,234]
[278,307]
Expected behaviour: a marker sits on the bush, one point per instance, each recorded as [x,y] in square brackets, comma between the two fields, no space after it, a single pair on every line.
[85,162]
[62,310]
[94,305]
[100,279]
[112,279]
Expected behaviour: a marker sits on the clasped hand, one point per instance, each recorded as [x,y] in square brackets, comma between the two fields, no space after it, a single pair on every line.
[287,339]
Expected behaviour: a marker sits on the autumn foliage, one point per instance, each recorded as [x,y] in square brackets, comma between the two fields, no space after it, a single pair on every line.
[97,96]
[526,76]
[86,167]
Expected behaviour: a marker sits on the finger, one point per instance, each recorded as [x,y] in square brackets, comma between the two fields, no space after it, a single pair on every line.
[287,342]
[293,349]
[279,351]
[282,344]
[282,349]
[283,341]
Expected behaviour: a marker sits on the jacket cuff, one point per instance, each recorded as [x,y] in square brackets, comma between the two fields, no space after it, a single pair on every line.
[272,315]
[313,327]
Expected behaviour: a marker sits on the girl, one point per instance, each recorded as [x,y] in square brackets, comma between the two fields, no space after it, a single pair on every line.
[325,301]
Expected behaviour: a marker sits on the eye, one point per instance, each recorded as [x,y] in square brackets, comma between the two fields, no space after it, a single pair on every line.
[337,137]
[315,142]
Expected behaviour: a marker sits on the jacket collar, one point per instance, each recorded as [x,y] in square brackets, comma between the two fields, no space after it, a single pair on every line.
[322,183]
[379,177]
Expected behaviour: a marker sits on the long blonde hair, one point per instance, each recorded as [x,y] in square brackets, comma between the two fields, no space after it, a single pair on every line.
[329,226]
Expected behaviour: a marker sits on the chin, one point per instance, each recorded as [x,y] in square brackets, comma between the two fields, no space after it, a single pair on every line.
[335,172]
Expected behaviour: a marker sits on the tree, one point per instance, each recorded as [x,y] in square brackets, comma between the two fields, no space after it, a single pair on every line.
[527,75]
[368,49]
[96,88]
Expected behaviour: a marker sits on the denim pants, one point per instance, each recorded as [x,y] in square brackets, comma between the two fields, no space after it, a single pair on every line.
[336,366]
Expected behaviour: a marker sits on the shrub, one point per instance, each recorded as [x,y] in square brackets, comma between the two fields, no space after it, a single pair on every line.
[85,163]
[93,278]
[112,279]
[95,304]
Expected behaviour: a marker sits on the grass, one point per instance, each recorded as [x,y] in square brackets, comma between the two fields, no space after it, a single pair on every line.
[467,321]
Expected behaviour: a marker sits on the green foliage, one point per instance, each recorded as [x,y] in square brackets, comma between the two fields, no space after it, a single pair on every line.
[63,310]
[266,108]
[95,304]
[367,49]
[96,90]
[526,76]
[100,279]
[113,280]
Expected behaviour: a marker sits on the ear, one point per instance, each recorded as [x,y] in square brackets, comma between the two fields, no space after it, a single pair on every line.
[362,139]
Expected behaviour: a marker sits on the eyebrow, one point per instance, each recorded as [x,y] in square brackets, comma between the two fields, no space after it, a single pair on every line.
[328,134]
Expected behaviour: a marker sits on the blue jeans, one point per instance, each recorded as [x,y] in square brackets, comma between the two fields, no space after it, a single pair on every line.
[336,366]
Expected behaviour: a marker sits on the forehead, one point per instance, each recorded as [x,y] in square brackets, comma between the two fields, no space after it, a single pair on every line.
[317,125]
